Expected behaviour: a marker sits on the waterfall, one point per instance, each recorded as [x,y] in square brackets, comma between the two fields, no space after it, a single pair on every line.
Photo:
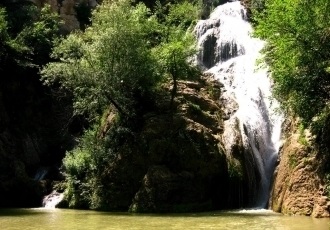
[228,51]
[53,199]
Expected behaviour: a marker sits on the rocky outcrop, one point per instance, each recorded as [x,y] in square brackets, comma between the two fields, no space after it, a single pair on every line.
[74,13]
[299,187]
[187,169]
[177,161]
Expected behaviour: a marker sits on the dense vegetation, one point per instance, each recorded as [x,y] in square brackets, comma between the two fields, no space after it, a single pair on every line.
[32,131]
[297,51]
[120,60]
[27,34]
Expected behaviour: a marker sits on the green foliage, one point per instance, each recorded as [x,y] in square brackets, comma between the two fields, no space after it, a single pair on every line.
[293,161]
[302,136]
[117,60]
[195,109]
[87,167]
[110,63]
[183,15]
[235,169]
[3,25]
[256,6]
[81,168]
[177,46]
[20,14]
[4,37]
[38,37]
[297,50]
[27,37]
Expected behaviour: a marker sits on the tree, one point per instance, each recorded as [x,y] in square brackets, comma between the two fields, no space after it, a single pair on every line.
[109,63]
[297,50]
[178,45]
[117,61]
[37,37]
[27,34]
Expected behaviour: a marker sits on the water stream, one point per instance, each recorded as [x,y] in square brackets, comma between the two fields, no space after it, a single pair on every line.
[228,51]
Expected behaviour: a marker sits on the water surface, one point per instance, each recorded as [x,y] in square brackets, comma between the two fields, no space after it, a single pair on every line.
[63,219]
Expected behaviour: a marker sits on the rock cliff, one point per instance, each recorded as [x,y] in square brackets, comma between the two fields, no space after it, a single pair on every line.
[74,13]
[299,182]
[177,162]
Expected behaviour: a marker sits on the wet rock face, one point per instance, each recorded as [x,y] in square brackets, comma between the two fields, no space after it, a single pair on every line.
[166,191]
[209,56]
[298,187]
[176,162]
[188,169]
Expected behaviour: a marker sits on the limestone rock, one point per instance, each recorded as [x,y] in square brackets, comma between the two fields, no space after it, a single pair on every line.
[298,187]
[67,10]
[177,161]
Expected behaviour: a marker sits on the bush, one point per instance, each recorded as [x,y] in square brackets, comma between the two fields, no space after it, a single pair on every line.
[297,52]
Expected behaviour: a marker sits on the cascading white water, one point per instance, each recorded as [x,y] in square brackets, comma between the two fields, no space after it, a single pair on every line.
[53,199]
[228,50]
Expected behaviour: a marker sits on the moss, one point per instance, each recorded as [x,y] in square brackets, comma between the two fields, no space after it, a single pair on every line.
[235,169]
[302,136]
[214,92]
[293,161]
[194,109]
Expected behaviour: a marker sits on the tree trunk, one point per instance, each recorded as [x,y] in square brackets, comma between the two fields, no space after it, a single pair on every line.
[174,89]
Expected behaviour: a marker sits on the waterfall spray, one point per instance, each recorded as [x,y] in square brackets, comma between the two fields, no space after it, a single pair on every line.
[228,51]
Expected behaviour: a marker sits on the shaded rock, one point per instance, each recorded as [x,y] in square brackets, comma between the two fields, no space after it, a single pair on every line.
[196,142]
[176,161]
[33,132]
[166,191]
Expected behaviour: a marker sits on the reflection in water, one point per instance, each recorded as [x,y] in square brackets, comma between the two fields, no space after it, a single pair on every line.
[48,219]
